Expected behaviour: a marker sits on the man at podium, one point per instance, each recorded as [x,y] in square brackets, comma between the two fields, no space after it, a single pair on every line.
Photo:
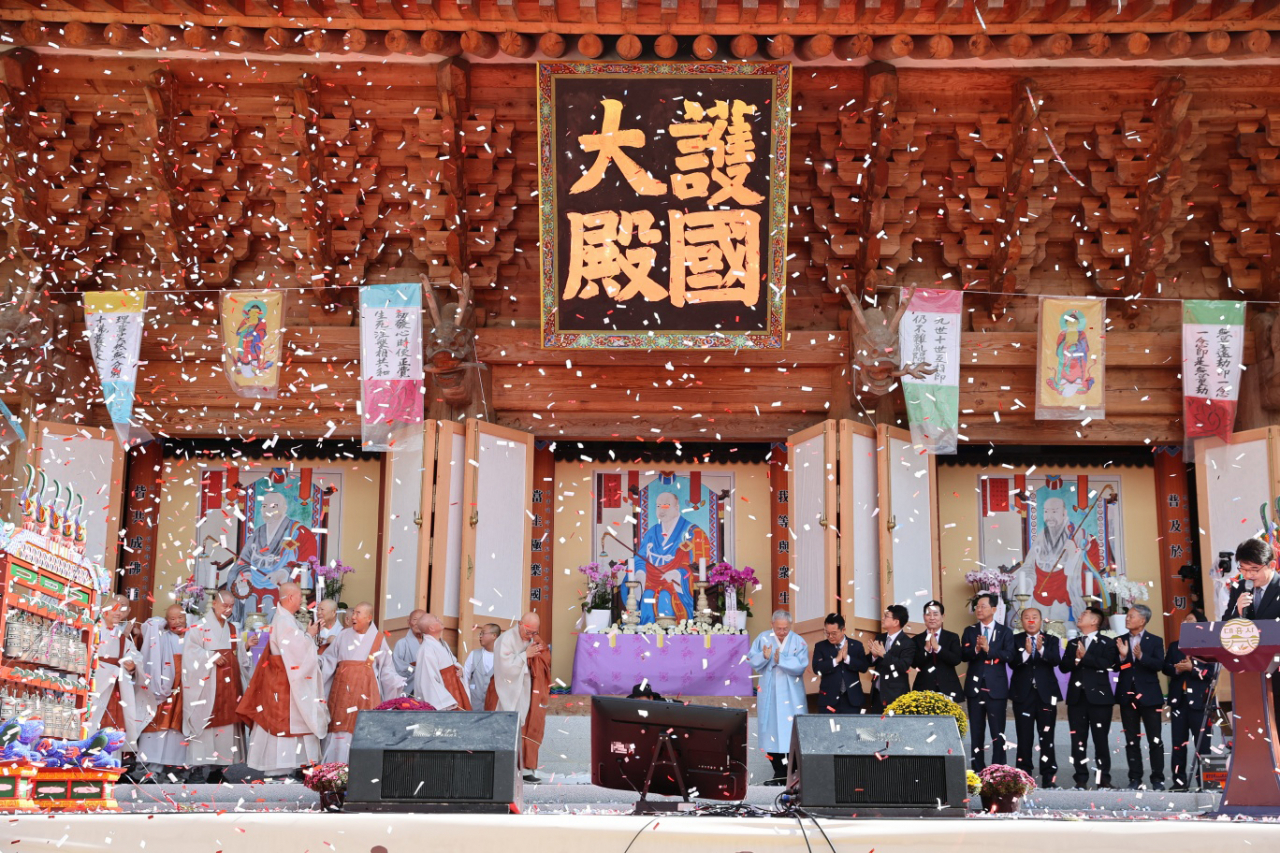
[1257,596]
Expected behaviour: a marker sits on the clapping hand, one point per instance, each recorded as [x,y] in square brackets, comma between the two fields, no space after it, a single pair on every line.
[1122,645]
[1040,642]
[1030,646]
[877,648]
[982,643]
[843,654]
[1079,649]
[1184,665]
[1137,651]
[768,652]
[931,645]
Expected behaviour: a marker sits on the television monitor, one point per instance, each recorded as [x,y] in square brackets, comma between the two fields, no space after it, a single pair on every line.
[668,748]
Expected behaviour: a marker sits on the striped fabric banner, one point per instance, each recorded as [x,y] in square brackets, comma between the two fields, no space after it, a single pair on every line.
[930,333]
[390,361]
[1212,349]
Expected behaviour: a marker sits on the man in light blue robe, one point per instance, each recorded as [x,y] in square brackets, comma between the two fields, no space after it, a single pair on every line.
[780,657]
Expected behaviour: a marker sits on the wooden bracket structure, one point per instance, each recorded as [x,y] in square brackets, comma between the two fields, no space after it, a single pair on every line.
[27,225]
[155,129]
[1020,176]
[1152,238]
[300,166]
[881,109]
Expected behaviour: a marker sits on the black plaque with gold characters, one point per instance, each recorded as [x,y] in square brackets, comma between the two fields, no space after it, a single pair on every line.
[663,204]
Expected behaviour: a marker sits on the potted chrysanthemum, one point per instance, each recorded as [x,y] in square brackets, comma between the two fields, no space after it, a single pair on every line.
[1003,787]
[926,703]
[330,782]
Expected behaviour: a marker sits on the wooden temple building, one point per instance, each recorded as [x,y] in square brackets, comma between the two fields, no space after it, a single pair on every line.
[1127,150]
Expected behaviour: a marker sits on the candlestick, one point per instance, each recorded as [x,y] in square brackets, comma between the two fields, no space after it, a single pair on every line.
[703,607]
[632,616]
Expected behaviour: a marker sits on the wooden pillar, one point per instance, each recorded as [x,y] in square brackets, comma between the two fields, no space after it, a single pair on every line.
[1173,513]
[542,537]
[143,477]
[780,530]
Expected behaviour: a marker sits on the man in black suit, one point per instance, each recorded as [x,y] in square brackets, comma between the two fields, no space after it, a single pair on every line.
[892,653]
[1035,694]
[1088,660]
[1257,596]
[1141,657]
[987,647]
[837,661]
[1189,684]
[937,655]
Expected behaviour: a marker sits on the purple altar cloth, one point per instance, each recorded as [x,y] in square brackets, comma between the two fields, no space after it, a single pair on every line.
[684,666]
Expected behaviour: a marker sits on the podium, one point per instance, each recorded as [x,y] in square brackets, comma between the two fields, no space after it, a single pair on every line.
[1248,650]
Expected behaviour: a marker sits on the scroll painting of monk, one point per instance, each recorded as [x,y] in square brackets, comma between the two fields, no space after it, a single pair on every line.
[1060,562]
[274,547]
[670,551]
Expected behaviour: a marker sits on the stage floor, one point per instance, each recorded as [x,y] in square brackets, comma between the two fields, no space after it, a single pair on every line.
[232,832]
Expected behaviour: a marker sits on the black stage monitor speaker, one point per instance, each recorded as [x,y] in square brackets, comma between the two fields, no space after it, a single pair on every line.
[433,761]
[871,766]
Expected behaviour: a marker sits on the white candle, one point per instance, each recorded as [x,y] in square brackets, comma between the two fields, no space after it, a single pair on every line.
[1088,584]
[702,569]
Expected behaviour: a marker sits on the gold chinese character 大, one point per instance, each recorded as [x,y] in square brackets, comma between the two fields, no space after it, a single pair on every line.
[607,145]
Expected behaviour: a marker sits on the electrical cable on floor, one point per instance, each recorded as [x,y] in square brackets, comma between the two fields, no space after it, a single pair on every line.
[820,829]
[627,849]
[803,834]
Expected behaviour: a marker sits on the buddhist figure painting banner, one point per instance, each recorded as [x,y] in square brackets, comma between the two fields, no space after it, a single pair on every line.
[1060,538]
[663,204]
[251,330]
[660,528]
[259,528]
[1071,359]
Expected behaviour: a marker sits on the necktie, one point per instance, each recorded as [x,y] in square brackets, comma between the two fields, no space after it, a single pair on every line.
[888,644]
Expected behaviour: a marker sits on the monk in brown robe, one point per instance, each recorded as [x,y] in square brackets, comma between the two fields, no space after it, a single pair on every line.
[532,664]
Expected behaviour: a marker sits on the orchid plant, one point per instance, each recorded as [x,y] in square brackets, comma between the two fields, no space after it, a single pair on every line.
[1125,591]
[189,594]
[600,583]
[723,577]
[331,577]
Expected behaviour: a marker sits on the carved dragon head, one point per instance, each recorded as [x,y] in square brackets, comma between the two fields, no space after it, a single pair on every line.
[450,347]
[877,357]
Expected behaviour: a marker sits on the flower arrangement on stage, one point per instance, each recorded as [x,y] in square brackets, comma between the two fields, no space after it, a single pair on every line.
[973,782]
[1001,781]
[990,580]
[600,583]
[687,628]
[330,578]
[1125,591]
[926,703]
[190,595]
[328,778]
[405,703]
[723,578]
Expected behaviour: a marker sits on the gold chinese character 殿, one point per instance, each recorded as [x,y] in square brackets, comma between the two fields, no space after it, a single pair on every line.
[727,137]
[608,145]
[715,257]
[601,251]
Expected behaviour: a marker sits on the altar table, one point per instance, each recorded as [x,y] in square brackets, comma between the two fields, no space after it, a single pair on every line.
[684,665]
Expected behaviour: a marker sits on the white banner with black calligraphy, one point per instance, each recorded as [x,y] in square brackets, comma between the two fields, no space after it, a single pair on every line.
[391,373]
[1212,349]
[929,335]
[113,324]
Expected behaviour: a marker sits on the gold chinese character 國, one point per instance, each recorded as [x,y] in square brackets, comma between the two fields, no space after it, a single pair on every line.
[600,251]
[721,251]
[608,145]
[732,148]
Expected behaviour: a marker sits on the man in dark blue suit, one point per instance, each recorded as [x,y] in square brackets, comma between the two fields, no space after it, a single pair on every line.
[1138,692]
[1189,684]
[1088,660]
[1035,694]
[837,661]
[987,647]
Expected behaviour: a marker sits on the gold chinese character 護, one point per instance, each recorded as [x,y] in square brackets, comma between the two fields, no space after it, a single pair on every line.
[610,245]
[715,257]
[607,146]
[724,132]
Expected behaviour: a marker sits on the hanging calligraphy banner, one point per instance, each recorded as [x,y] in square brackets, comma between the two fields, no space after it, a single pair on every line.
[251,333]
[1212,349]
[113,323]
[663,204]
[930,333]
[390,362]
[1071,359]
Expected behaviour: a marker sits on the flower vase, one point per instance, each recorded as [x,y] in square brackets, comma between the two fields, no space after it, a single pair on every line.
[1117,624]
[597,621]
[1000,804]
[332,801]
